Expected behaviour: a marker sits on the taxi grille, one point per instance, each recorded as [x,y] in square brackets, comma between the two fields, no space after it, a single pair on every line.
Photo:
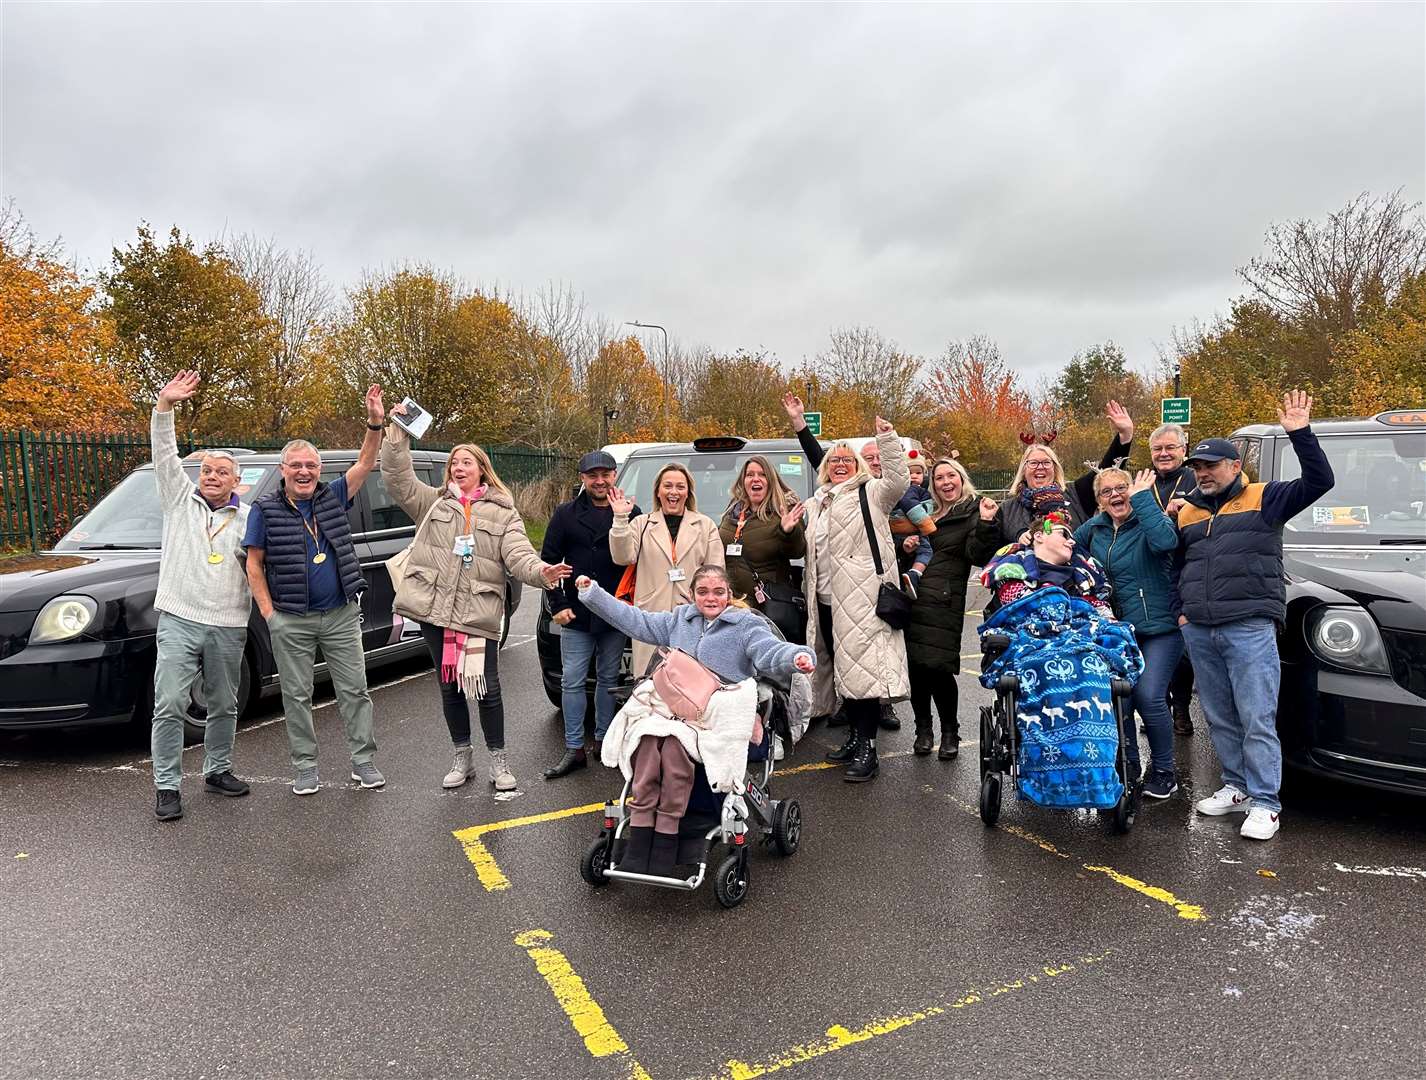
[1408,659]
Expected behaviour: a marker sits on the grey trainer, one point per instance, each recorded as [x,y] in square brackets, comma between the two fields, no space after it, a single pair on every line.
[306,782]
[500,774]
[368,775]
[462,768]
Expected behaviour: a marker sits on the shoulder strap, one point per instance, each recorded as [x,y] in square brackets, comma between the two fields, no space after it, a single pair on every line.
[870,533]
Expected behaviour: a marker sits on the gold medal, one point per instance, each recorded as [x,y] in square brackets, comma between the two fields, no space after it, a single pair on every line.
[215,557]
[320,557]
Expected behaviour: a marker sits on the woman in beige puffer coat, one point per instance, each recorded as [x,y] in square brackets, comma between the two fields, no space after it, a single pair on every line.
[865,656]
[468,537]
[664,547]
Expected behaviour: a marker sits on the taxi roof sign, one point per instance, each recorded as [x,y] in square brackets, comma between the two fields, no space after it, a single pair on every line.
[1403,417]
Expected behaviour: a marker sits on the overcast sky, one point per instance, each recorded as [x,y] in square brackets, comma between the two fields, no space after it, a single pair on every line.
[747,175]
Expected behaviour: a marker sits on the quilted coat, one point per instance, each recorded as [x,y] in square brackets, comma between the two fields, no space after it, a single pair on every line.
[933,640]
[436,586]
[644,543]
[870,657]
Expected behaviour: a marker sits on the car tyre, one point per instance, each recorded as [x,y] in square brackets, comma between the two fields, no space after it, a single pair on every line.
[195,720]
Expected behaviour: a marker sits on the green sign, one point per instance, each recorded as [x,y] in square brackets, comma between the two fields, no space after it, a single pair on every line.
[814,423]
[1175,410]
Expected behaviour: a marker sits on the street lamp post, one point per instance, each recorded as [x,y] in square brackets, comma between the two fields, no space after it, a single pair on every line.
[664,380]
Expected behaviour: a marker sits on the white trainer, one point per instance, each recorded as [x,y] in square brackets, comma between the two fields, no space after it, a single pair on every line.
[1262,824]
[462,768]
[1226,800]
[500,774]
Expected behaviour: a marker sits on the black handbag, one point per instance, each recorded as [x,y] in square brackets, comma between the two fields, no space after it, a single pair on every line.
[893,606]
[785,606]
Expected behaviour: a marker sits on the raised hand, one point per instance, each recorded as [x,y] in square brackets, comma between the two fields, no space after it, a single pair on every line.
[582,582]
[375,412]
[179,388]
[1296,411]
[553,575]
[792,515]
[804,663]
[795,410]
[988,507]
[619,502]
[883,426]
[1142,482]
[399,409]
[1122,421]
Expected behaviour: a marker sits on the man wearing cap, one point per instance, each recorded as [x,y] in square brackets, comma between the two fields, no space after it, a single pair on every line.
[1173,480]
[203,605]
[578,534]
[1234,603]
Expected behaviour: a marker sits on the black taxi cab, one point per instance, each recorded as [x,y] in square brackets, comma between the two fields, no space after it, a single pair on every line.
[1353,697]
[77,623]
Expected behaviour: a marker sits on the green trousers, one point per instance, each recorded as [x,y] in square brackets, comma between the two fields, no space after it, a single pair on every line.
[295,640]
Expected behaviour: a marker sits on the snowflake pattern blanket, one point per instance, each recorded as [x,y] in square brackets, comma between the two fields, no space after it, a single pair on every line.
[1065,654]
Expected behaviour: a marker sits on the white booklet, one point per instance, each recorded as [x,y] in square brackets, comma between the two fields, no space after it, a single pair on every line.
[416,420]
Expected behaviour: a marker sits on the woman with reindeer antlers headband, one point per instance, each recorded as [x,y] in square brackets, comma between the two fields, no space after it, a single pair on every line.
[1039,487]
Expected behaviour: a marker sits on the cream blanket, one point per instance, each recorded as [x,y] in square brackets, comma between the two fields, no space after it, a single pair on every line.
[722,745]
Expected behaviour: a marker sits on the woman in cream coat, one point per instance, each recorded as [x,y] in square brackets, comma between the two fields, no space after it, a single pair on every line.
[868,657]
[664,547]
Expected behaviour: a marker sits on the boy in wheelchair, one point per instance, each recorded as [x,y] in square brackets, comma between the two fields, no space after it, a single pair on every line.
[1061,665]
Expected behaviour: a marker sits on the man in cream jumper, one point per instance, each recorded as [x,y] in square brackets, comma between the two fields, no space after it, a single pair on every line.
[203,604]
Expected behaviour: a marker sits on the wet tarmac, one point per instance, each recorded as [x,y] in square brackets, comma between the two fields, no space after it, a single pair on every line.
[396,933]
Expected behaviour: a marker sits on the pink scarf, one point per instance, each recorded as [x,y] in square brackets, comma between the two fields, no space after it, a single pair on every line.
[463,655]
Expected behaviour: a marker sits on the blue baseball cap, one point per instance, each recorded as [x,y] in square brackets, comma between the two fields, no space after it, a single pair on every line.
[1213,450]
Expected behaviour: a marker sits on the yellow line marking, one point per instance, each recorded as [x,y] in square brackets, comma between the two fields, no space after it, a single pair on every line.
[1153,892]
[486,868]
[1185,910]
[840,1037]
[589,1021]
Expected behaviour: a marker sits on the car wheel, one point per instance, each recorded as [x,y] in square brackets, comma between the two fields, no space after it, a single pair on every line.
[195,720]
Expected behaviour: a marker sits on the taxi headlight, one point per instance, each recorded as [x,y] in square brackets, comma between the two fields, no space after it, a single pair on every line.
[1347,637]
[63,618]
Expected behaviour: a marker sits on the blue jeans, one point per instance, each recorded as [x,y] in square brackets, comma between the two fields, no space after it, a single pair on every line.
[577,647]
[1238,674]
[1161,656]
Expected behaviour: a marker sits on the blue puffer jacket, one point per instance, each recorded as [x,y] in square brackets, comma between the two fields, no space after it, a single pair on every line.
[1139,559]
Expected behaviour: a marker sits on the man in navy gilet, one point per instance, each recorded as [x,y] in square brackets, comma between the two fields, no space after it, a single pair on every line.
[1173,480]
[306,580]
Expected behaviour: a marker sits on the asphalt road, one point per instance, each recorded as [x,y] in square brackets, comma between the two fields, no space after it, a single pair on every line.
[387,933]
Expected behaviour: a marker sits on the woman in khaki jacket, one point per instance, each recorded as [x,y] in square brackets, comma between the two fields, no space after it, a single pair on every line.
[468,537]
[868,657]
[664,547]
[762,533]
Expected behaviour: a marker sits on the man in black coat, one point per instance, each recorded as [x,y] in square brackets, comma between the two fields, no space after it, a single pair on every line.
[1173,480]
[578,534]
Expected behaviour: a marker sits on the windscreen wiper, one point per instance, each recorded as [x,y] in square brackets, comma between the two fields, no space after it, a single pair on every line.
[118,547]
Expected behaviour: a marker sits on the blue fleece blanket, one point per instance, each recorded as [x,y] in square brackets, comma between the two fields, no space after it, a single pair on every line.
[1065,654]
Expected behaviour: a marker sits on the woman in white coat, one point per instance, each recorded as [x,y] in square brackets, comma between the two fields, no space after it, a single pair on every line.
[867,657]
[664,547]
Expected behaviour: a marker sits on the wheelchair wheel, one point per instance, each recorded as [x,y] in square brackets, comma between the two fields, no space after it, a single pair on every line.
[990,798]
[1126,810]
[730,883]
[987,740]
[595,862]
[787,827]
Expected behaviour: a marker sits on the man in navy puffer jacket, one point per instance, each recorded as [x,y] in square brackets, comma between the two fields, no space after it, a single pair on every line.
[1234,602]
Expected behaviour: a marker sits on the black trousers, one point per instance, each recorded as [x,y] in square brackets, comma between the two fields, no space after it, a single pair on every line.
[864,714]
[1181,685]
[453,700]
[927,686]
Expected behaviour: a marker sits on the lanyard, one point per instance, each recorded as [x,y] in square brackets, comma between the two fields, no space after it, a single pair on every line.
[212,534]
[466,507]
[742,517]
[310,526]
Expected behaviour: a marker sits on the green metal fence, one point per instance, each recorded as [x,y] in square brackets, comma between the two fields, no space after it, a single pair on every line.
[48,479]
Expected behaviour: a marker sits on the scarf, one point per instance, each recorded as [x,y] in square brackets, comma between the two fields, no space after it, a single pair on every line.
[463,655]
[1043,500]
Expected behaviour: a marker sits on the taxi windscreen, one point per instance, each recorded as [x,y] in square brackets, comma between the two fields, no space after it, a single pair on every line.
[1379,494]
[713,476]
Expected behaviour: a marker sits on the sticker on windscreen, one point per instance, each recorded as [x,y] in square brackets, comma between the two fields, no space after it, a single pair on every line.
[789,468]
[1332,517]
[251,476]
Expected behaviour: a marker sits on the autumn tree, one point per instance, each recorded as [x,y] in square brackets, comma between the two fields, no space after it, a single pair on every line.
[425,334]
[290,389]
[174,307]
[53,374]
[737,394]
[625,380]
[868,367]
[974,403]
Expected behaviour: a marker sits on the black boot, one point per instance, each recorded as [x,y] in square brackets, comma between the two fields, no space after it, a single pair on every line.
[848,749]
[950,744]
[925,738]
[889,720]
[1182,721]
[838,718]
[664,854]
[864,766]
[573,759]
[637,845]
